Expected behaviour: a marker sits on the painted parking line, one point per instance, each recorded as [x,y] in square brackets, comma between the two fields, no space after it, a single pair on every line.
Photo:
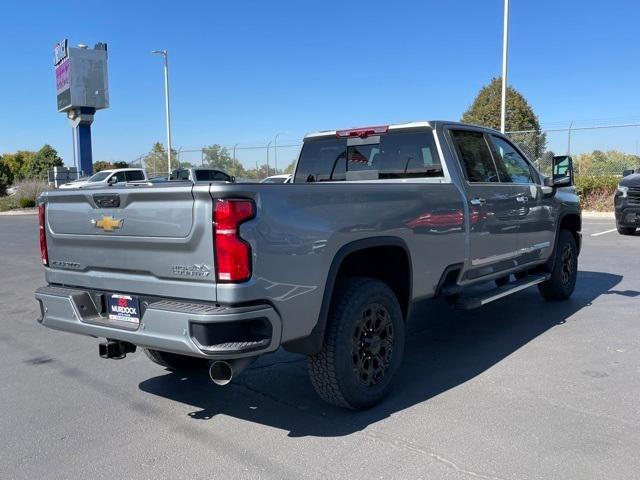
[603,233]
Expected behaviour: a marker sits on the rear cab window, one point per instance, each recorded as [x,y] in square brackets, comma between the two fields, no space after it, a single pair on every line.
[401,155]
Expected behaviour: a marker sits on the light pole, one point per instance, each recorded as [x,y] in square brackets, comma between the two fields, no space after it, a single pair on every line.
[505,48]
[275,150]
[166,104]
[268,147]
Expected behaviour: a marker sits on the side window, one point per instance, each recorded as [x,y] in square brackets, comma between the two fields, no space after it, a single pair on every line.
[475,156]
[134,176]
[516,169]
[220,176]
[201,175]
[121,177]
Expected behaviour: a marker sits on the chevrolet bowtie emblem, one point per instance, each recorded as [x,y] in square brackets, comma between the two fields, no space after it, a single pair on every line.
[108,223]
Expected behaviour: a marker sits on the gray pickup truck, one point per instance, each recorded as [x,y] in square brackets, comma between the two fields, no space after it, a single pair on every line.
[376,219]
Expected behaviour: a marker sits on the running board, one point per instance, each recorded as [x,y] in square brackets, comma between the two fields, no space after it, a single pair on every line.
[469,303]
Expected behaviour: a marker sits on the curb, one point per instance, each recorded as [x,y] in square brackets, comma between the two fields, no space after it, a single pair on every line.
[602,215]
[22,211]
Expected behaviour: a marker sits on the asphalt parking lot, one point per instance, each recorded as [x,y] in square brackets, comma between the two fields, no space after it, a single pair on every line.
[521,389]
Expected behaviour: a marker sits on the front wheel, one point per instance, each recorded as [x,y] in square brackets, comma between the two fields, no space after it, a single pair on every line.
[363,346]
[563,278]
[625,230]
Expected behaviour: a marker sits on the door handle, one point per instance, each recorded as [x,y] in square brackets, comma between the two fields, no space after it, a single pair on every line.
[478,201]
[522,199]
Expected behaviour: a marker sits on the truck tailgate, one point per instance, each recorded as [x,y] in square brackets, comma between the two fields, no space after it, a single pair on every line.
[155,240]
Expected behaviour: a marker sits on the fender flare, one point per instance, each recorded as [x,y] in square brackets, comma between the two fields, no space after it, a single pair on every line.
[312,344]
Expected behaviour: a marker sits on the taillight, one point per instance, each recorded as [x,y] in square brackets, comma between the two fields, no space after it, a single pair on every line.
[363,132]
[232,254]
[43,237]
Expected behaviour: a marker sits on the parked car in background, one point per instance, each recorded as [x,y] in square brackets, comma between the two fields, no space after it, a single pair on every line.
[108,177]
[13,190]
[277,179]
[627,203]
[201,174]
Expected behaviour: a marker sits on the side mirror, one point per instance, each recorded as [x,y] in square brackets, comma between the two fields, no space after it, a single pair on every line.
[112,180]
[562,167]
[233,179]
[626,173]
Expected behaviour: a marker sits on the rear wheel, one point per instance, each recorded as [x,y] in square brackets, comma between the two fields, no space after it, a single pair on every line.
[562,282]
[173,361]
[363,346]
[625,230]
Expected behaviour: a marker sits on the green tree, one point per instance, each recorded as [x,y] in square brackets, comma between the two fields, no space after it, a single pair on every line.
[290,168]
[218,157]
[485,111]
[6,176]
[155,162]
[39,164]
[101,165]
[16,162]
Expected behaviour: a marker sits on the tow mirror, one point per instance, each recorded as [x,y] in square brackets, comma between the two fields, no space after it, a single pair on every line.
[562,167]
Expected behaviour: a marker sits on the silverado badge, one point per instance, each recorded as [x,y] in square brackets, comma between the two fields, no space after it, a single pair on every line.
[108,223]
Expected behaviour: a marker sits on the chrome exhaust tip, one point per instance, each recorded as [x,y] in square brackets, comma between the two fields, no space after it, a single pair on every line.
[222,372]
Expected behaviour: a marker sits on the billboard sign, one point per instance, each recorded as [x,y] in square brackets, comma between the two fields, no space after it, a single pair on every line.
[63,77]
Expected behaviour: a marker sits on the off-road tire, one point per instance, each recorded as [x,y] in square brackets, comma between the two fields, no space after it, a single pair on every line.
[625,230]
[562,282]
[338,373]
[173,361]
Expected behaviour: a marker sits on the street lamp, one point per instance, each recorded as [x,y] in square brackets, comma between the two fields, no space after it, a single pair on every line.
[275,150]
[166,104]
[505,48]
[268,147]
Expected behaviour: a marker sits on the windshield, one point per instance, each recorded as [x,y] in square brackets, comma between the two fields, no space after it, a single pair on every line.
[100,176]
[390,156]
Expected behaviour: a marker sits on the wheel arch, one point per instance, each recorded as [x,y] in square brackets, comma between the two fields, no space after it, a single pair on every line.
[349,261]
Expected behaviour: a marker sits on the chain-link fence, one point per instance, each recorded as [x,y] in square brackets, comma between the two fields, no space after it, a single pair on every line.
[597,150]
[247,163]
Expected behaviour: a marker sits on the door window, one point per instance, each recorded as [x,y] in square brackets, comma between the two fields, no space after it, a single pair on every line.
[475,156]
[514,168]
[134,176]
[121,177]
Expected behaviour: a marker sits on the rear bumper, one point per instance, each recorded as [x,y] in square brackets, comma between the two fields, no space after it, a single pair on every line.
[196,329]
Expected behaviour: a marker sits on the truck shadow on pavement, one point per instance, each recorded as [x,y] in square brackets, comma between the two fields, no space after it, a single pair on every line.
[445,348]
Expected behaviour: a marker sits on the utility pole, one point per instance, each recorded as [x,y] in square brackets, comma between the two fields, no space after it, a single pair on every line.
[268,147]
[505,49]
[275,151]
[166,104]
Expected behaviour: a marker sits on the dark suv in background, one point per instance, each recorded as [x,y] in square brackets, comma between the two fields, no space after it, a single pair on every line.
[627,202]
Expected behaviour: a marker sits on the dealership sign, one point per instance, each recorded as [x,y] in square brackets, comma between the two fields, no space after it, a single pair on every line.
[60,52]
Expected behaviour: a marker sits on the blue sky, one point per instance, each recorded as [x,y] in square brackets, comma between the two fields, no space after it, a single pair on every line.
[243,71]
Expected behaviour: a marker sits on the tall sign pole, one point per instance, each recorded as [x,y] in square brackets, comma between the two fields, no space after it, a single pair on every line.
[165,54]
[505,49]
[81,89]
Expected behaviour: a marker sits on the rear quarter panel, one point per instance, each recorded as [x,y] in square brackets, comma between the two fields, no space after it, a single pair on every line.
[299,228]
